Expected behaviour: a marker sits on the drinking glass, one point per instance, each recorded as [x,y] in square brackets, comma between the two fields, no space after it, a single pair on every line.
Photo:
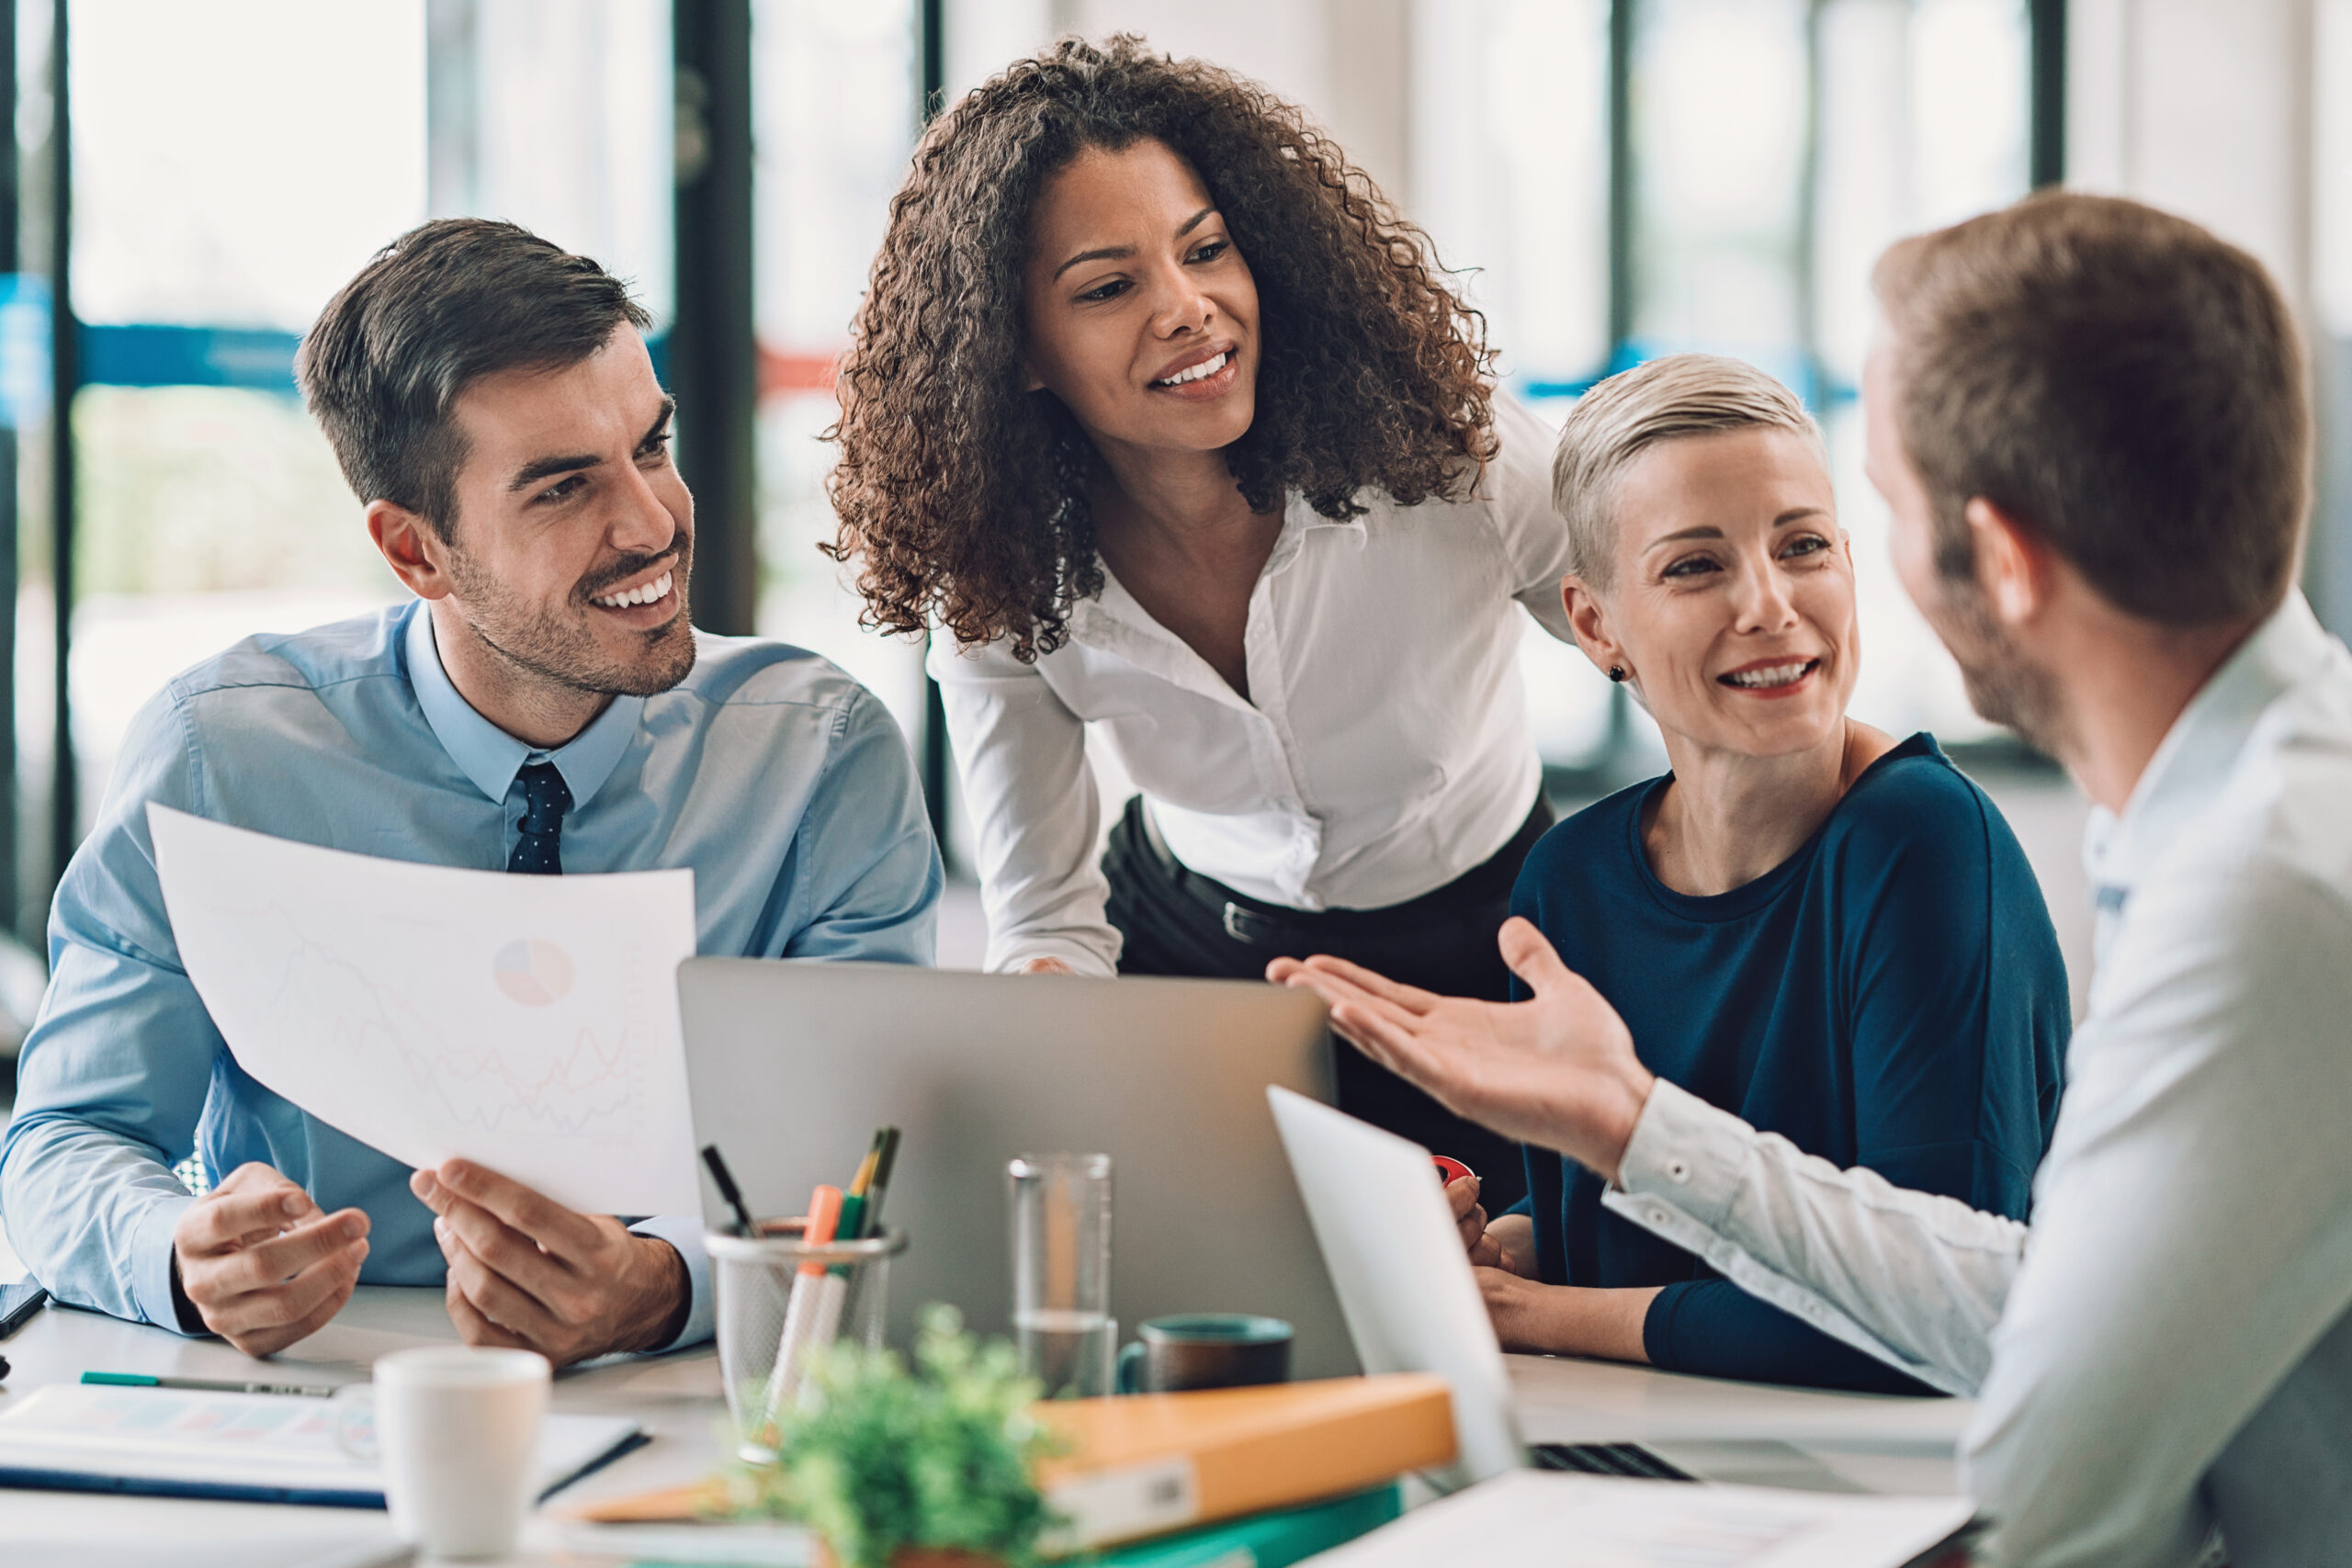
[1061,1272]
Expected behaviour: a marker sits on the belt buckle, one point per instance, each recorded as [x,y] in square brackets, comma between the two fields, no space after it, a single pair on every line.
[1238,924]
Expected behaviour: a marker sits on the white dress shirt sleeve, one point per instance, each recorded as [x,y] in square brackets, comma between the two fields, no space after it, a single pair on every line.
[1912,1278]
[1534,539]
[1036,817]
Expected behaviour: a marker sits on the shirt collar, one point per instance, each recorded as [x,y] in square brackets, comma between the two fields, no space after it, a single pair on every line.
[2200,752]
[491,756]
[1116,622]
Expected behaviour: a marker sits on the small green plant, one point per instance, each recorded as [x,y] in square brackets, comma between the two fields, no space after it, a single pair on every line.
[886,1459]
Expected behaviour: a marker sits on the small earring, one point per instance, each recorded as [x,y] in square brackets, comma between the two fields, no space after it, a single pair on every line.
[1617,672]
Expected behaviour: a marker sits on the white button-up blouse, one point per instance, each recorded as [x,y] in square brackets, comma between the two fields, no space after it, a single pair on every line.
[1384,749]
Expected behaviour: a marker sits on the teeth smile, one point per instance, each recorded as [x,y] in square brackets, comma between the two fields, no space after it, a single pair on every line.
[1772,674]
[657,589]
[1205,368]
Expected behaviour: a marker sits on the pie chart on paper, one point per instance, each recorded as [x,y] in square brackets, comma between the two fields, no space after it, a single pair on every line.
[535,973]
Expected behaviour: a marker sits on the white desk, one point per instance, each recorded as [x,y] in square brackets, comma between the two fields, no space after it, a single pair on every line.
[1725,1431]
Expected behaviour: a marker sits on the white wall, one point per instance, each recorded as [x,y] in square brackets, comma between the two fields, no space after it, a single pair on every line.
[2203,108]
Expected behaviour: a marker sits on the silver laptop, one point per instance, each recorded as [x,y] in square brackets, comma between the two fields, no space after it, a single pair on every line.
[1412,1305]
[792,1065]
[1380,1215]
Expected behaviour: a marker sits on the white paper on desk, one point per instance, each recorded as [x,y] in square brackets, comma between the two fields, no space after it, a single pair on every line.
[529,1023]
[1549,1519]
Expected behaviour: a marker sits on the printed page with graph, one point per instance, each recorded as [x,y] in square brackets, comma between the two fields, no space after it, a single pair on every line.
[273,1447]
[527,1022]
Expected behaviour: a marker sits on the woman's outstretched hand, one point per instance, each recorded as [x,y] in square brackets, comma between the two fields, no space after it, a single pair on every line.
[1557,1070]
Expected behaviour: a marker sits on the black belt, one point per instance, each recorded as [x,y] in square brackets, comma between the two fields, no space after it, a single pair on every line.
[1256,923]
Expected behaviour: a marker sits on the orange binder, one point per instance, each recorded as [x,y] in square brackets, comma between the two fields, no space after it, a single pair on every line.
[1144,1464]
[1140,1464]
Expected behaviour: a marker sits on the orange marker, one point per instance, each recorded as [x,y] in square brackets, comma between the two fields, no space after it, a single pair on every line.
[800,1313]
[824,1213]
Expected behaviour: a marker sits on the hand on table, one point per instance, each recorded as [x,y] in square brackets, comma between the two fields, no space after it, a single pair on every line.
[528,1274]
[258,1264]
[1564,1320]
[1557,1070]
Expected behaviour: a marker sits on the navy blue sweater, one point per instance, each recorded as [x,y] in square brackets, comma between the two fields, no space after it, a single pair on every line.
[1891,996]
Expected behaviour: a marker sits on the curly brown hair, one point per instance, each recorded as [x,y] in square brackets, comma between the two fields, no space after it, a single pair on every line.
[964,496]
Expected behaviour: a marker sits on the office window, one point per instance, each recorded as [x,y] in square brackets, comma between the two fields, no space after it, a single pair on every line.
[834,92]
[1772,148]
[1924,120]
[226,182]
[224,185]
[1510,176]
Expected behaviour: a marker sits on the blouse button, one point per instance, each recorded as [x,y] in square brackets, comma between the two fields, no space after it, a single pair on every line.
[1678,1170]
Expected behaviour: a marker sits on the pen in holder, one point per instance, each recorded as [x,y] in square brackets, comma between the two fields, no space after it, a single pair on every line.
[773,1316]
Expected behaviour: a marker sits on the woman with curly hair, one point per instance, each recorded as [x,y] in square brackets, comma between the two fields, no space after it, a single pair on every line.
[1164,416]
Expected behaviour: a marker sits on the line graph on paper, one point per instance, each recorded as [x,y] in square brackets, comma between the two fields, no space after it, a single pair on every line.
[584,1077]
[527,1023]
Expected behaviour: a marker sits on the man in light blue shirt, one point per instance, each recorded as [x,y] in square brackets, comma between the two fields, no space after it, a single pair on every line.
[543,706]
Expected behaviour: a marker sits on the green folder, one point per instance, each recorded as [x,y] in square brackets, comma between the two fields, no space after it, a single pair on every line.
[1271,1539]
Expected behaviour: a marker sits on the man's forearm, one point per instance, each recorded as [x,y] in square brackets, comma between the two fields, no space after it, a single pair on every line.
[91,1215]
[1915,1279]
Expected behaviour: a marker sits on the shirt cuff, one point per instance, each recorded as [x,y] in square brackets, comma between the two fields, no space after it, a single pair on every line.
[1686,1151]
[1081,958]
[686,1234]
[150,1261]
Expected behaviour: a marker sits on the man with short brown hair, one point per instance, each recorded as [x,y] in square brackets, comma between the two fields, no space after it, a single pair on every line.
[542,704]
[2090,423]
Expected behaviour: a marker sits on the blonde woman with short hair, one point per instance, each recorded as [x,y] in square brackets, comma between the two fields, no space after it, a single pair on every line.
[1828,932]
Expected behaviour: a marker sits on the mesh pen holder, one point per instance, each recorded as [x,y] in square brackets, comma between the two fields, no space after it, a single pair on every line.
[773,1313]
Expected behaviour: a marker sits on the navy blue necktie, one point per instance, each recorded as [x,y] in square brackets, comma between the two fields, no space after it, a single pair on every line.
[545,800]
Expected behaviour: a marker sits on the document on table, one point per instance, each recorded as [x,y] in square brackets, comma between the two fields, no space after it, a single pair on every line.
[1592,1521]
[257,1447]
[529,1023]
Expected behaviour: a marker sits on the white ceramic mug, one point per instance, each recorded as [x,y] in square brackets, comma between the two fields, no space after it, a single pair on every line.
[456,1431]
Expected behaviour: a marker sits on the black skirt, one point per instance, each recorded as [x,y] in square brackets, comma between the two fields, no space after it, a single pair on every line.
[1176,921]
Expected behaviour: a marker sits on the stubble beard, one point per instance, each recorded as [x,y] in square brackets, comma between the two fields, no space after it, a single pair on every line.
[562,652]
[2004,684]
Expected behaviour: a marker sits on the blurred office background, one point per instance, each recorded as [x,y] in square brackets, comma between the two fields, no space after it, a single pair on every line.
[1612,179]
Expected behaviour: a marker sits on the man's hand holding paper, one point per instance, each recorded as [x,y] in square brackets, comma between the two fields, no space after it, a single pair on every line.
[527,1273]
[255,1261]
[394,1001]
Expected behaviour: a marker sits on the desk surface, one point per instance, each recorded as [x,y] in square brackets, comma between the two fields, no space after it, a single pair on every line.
[1726,1431]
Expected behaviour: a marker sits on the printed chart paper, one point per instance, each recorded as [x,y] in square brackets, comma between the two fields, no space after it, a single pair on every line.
[529,1023]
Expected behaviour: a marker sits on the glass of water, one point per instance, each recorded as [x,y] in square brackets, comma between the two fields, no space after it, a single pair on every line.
[1061,1272]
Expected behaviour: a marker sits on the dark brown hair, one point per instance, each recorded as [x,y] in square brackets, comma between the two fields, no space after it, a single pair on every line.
[964,496]
[2117,380]
[446,304]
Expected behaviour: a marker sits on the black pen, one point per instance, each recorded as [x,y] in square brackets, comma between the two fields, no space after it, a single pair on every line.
[725,1181]
[870,1221]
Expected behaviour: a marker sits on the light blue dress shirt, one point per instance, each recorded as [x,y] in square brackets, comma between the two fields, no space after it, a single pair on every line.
[781,783]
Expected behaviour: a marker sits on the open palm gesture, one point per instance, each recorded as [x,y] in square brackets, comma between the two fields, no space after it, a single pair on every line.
[1556,1070]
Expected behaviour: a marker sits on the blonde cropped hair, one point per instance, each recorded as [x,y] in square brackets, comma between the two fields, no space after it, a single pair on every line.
[1664,399]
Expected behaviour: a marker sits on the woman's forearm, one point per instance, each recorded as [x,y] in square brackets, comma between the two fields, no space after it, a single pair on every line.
[1567,1320]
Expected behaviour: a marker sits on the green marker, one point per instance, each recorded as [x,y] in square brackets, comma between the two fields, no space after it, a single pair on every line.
[203,1385]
